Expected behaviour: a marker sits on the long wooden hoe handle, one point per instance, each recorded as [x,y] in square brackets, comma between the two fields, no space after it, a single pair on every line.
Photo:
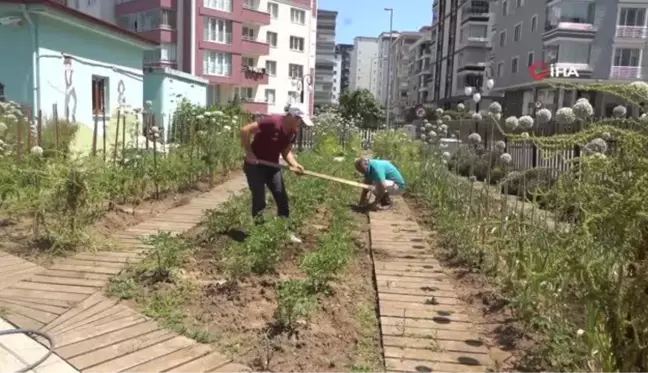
[321,176]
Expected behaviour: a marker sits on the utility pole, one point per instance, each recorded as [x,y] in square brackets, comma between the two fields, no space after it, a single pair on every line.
[389,57]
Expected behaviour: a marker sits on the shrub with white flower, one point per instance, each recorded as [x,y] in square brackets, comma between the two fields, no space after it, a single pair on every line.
[447,155]
[640,87]
[495,107]
[565,116]
[597,145]
[525,135]
[606,136]
[619,111]
[36,150]
[526,122]
[447,118]
[506,158]
[496,116]
[439,112]
[583,109]
[477,117]
[461,107]
[543,116]
[474,138]
[500,145]
[511,123]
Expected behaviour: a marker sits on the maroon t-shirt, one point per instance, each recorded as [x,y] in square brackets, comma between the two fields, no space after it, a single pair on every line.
[272,139]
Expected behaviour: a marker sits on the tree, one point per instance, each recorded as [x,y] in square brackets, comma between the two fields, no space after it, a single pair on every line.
[363,105]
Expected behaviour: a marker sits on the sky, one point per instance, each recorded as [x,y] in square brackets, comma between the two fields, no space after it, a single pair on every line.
[368,17]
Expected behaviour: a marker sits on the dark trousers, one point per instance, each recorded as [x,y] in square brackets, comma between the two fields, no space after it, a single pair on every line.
[258,177]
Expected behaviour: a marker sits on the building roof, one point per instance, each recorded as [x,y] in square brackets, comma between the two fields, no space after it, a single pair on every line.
[107,26]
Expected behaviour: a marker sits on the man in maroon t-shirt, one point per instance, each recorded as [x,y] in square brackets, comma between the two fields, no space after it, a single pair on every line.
[274,135]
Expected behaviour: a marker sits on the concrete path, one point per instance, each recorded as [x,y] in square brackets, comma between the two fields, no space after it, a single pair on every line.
[97,334]
[424,325]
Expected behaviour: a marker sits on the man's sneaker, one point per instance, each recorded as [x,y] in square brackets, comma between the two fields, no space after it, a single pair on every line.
[386,200]
[293,238]
[386,207]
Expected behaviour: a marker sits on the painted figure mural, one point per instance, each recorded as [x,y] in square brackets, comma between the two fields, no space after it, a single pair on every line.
[70,92]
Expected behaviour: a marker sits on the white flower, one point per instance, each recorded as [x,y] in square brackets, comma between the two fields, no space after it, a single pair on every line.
[580,333]
[511,123]
[583,109]
[606,136]
[439,122]
[461,106]
[495,107]
[526,122]
[446,155]
[431,134]
[36,150]
[543,116]
[447,118]
[200,117]
[474,138]
[423,137]
[525,135]
[227,128]
[477,117]
[565,116]
[443,128]
[3,127]
[496,116]
[472,179]
[619,111]
[640,87]
[597,145]
[155,129]
[428,125]
[506,158]
[644,117]
[439,112]
[201,133]
[500,145]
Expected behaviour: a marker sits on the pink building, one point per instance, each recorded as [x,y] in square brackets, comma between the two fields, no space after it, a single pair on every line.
[256,50]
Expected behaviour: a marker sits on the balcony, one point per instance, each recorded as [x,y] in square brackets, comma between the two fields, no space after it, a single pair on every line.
[569,28]
[255,107]
[251,76]
[253,47]
[626,73]
[251,13]
[631,32]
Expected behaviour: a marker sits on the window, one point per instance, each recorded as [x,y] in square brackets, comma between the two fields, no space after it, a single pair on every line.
[271,38]
[519,3]
[626,57]
[148,20]
[514,65]
[296,44]
[297,16]
[517,32]
[2,93]
[632,17]
[478,31]
[165,52]
[534,23]
[99,95]
[273,9]
[505,8]
[252,4]
[245,93]
[270,96]
[500,69]
[573,52]
[293,97]
[217,63]
[248,33]
[271,68]
[502,41]
[248,61]
[295,71]
[222,5]
[217,30]
[530,59]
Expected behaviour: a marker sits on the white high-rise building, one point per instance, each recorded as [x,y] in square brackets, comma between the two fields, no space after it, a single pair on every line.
[364,65]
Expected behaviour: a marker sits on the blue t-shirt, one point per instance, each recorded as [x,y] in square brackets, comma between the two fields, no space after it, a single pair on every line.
[381,170]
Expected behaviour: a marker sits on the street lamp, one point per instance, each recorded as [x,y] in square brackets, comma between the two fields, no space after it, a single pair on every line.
[478,86]
[389,74]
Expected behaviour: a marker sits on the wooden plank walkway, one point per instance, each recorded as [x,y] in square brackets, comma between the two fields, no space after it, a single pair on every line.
[97,334]
[424,326]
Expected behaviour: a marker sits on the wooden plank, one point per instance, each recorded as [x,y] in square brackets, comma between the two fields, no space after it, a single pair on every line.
[85,304]
[203,364]
[80,313]
[37,306]
[91,263]
[82,335]
[10,261]
[28,285]
[106,340]
[38,315]
[108,316]
[41,279]
[37,294]
[23,322]
[19,276]
[164,363]
[77,274]
[232,367]
[107,259]
[135,358]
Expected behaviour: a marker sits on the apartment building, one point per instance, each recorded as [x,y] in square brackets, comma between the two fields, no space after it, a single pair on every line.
[344,53]
[385,41]
[325,61]
[363,72]
[601,39]
[337,77]
[419,70]
[461,42]
[400,71]
[261,52]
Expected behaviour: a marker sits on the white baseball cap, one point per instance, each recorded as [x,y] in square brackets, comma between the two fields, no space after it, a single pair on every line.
[299,111]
